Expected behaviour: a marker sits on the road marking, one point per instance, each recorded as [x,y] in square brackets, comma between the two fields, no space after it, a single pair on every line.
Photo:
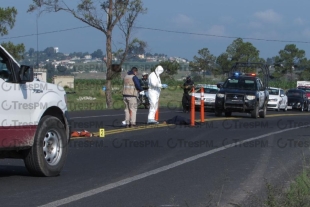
[82,117]
[110,186]
[116,131]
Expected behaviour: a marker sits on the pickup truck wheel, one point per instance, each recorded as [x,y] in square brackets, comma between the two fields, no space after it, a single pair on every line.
[308,107]
[49,151]
[262,114]
[254,113]
[302,108]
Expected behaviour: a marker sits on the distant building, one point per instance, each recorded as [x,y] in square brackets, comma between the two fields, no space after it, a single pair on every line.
[141,56]
[64,81]
[56,49]
[40,74]
[88,57]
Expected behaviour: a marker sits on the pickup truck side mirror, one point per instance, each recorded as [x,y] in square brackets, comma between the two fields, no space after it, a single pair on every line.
[26,73]
[219,85]
[282,95]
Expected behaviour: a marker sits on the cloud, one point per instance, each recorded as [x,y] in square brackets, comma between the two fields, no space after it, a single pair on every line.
[216,30]
[183,21]
[268,16]
[299,21]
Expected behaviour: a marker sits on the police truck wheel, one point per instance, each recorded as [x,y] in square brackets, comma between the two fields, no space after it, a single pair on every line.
[254,113]
[47,156]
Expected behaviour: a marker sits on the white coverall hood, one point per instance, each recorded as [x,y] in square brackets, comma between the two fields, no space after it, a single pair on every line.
[159,70]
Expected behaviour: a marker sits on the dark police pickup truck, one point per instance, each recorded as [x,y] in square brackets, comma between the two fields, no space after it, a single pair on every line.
[244,92]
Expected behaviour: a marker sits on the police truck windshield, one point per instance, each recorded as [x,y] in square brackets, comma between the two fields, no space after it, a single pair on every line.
[240,83]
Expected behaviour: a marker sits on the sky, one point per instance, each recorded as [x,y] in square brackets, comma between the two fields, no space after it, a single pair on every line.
[178,28]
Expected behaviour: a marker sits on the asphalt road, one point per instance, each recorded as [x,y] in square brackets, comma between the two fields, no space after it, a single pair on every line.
[221,161]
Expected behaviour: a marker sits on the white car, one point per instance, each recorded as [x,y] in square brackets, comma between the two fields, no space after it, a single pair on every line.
[277,99]
[210,92]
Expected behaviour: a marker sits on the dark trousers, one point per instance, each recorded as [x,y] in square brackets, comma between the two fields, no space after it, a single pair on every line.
[186,101]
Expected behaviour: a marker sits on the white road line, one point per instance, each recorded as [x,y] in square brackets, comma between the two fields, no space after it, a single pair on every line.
[95,191]
[82,117]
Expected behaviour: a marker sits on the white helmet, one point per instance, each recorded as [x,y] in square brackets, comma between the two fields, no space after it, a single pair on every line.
[143,74]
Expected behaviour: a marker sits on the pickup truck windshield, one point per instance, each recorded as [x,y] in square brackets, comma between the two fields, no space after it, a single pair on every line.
[244,84]
[273,91]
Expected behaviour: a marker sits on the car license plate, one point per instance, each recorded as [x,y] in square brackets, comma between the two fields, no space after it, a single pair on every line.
[289,107]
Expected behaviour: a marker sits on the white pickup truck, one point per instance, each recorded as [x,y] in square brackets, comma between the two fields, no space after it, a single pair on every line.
[34,122]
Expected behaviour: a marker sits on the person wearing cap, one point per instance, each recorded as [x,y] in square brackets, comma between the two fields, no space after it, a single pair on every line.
[187,87]
[155,87]
[144,81]
[130,94]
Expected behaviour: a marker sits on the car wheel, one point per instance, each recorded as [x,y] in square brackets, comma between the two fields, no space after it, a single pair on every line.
[308,107]
[262,114]
[48,154]
[302,108]
[228,114]
[254,113]
[218,112]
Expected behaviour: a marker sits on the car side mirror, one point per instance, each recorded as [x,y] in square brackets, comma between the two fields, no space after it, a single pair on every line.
[282,95]
[219,85]
[26,73]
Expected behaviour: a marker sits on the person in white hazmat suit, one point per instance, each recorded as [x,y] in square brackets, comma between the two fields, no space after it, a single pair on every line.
[155,87]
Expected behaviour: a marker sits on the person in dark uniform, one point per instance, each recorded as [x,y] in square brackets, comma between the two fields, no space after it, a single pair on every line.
[187,88]
[144,81]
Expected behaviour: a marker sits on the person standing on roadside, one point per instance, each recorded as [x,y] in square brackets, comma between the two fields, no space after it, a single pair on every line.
[130,94]
[155,87]
[186,99]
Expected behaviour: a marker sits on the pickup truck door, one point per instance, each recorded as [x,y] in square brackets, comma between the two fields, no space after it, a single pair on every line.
[16,127]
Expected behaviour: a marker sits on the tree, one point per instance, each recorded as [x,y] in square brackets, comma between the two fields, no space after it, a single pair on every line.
[291,57]
[224,62]
[240,51]
[97,54]
[50,52]
[136,47]
[121,13]
[204,62]
[17,51]
[30,52]
[7,21]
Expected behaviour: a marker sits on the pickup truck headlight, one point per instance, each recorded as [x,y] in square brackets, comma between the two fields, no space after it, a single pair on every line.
[249,97]
[220,95]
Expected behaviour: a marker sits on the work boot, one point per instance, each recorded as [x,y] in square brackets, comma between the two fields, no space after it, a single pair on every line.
[152,121]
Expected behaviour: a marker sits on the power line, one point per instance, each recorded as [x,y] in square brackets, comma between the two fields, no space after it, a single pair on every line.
[55,31]
[163,30]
